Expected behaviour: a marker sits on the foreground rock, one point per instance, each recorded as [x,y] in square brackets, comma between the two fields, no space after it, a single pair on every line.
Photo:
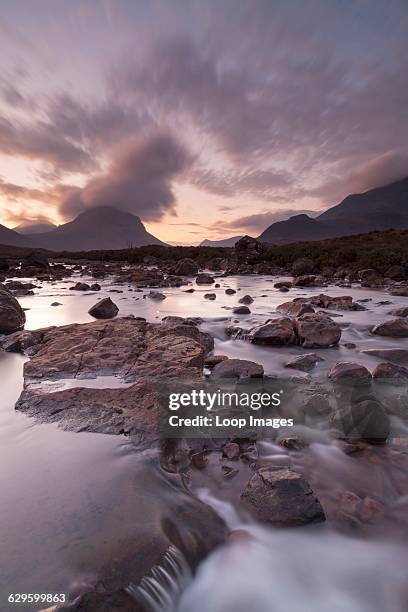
[390,371]
[317,330]
[392,354]
[349,371]
[12,317]
[304,363]
[395,328]
[237,368]
[282,497]
[104,309]
[294,309]
[275,332]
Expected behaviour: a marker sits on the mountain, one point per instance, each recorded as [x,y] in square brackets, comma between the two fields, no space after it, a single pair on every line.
[228,242]
[99,228]
[33,227]
[377,209]
[10,237]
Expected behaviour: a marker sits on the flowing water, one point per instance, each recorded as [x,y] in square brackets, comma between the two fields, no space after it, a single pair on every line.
[69,501]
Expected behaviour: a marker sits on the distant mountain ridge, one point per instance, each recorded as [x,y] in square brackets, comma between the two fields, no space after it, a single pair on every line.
[377,209]
[227,242]
[33,227]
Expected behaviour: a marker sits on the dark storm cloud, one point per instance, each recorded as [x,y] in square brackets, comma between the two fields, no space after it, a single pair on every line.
[139,179]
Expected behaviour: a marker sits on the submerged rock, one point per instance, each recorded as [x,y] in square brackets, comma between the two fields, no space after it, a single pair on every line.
[282,497]
[305,363]
[104,309]
[12,317]
[241,310]
[246,299]
[348,370]
[237,368]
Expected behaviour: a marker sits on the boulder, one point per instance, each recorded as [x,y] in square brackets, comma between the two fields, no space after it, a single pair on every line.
[390,371]
[80,287]
[210,296]
[317,330]
[394,328]
[396,355]
[397,273]
[305,363]
[241,310]
[36,259]
[230,291]
[12,317]
[237,368]
[186,267]
[104,309]
[370,278]
[275,332]
[294,309]
[303,265]
[212,360]
[231,451]
[205,279]
[156,295]
[399,312]
[246,299]
[248,248]
[283,285]
[341,302]
[304,281]
[361,419]
[344,371]
[4,265]
[281,497]
[95,287]
[399,291]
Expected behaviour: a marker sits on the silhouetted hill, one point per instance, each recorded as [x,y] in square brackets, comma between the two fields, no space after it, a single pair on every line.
[33,227]
[227,242]
[9,236]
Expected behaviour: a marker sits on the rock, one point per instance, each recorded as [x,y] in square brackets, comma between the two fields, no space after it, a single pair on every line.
[80,287]
[104,309]
[305,363]
[399,291]
[362,419]
[275,332]
[191,290]
[241,310]
[282,497]
[212,360]
[22,341]
[248,249]
[294,309]
[205,279]
[303,265]
[292,443]
[246,299]
[231,451]
[284,289]
[304,281]
[230,291]
[399,312]
[349,345]
[236,333]
[156,295]
[229,472]
[397,273]
[36,259]
[342,302]
[95,287]
[395,328]
[317,330]
[283,285]
[390,371]
[370,278]
[349,371]
[4,265]
[210,296]
[392,354]
[186,267]
[12,317]
[56,304]
[237,368]
[317,404]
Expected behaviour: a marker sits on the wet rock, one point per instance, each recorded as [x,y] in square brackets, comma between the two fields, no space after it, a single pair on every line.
[397,273]
[212,360]
[349,345]
[241,310]
[294,309]
[230,291]
[349,371]
[304,281]
[104,309]
[361,419]
[236,333]
[231,451]
[22,341]
[317,330]
[4,265]
[370,278]
[395,328]
[210,296]
[156,295]
[237,368]
[37,260]
[283,285]
[275,332]
[205,279]
[56,304]
[399,291]
[95,287]
[342,302]
[390,371]
[317,404]
[229,472]
[246,299]
[302,266]
[399,312]
[12,317]
[186,267]
[191,290]
[392,354]
[292,443]
[305,363]
[282,497]
[80,287]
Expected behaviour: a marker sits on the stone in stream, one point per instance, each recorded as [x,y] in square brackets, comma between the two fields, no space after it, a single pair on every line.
[210,296]
[399,312]
[349,371]
[395,328]
[390,371]
[303,265]
[186,267]
[396,355]
[231,451]
[360,418]
[241,310]
[80,287]
[370,278]
[399,291]
[246,299]
[230,291]
[275,332]
[305,363]
[341,302]
[283,285]
[237,368]
[317,330]
[281,497]
[397,273]
[156,295]
[205,279]
[304,281]
[104,309]
[294,309]
[12,317]
[212,360]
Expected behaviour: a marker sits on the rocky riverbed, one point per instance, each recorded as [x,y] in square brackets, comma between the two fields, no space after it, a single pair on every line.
[85,348]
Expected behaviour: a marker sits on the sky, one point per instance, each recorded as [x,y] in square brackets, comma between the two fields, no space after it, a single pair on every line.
[206,118]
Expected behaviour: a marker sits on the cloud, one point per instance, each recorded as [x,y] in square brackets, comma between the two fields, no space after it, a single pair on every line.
[138,179]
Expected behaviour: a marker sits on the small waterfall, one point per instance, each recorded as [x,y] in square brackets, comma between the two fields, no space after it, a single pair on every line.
[160,591]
